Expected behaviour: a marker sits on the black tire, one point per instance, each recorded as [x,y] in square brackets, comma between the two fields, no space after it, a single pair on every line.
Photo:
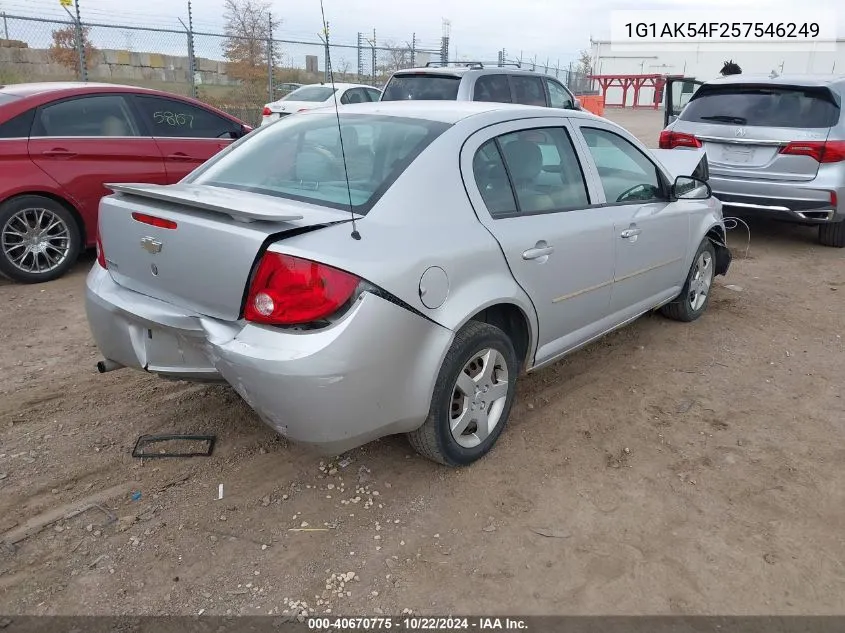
[682,308]
[832,234]
[434,438]
[9,210]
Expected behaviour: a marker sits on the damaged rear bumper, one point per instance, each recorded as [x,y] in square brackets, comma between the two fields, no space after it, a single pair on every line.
[368,375]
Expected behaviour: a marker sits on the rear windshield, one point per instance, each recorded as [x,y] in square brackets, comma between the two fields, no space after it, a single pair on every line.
[763,106]
[300,158]
[422,87]
[310,93]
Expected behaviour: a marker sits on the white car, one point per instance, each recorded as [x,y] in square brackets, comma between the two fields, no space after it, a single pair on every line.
[318,96]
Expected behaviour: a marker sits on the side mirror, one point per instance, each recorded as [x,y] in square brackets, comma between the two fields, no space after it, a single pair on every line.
[577,105]
[689,188]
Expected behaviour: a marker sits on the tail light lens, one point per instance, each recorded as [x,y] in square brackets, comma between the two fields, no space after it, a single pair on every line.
[289,290]
[101,255]
[821,151]
[266,111]
[153,221]
[671,140]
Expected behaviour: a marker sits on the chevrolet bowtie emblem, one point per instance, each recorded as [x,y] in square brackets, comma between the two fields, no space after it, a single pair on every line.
[151,245]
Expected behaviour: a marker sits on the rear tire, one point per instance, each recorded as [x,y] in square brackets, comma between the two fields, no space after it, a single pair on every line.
[472,397]
[694,298]
[832,234]
[39,239]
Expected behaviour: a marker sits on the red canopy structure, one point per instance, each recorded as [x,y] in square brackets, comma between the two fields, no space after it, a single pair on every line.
[637,82]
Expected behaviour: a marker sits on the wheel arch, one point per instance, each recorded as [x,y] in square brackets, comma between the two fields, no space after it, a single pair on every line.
[716,235]
[69,207]
[513,321]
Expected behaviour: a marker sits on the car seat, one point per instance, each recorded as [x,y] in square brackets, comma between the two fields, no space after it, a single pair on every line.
[113,126]
[525,161]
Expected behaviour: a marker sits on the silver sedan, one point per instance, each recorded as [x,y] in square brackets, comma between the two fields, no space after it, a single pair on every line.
[399,276]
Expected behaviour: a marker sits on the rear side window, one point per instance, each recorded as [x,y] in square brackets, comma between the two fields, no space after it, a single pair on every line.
[493,88]
[763,106]
[177,119]
[313,94]
[18,126]
[422,87]
[301,158]
[528,90]
[99,115]
[373,94]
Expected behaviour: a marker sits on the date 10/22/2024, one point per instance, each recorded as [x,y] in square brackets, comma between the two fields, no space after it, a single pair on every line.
[173,118]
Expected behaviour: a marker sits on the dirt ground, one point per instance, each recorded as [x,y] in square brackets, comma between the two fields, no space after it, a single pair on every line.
[669,468]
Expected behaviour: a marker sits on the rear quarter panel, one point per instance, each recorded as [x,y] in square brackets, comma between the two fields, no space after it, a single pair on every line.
[425,219]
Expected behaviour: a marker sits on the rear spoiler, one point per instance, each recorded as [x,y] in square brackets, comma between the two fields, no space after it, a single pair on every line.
[684,162]
[229,202]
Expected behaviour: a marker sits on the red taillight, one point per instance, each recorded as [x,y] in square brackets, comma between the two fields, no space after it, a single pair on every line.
[153,221]
[671,140]
[266,111]
[288,290]
[101,255]
[833,199]
[821,151]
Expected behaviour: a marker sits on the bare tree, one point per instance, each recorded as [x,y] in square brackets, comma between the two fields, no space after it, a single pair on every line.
[64,51]
[396,57]
[248,30]
[585,63]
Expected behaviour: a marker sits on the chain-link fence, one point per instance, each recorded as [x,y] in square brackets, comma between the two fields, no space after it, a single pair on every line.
[237,74]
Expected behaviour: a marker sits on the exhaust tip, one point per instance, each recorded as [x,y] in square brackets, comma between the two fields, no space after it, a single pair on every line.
[107,365]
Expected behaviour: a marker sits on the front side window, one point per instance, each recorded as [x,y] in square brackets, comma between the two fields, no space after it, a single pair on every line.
[559,96]
[492,88]
[626,174]
[98,115]
[300,158]
[172,118]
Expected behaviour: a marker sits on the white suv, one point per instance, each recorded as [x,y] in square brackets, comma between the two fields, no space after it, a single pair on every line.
[472,81]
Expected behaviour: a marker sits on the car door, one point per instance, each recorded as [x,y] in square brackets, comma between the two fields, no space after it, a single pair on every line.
[651,232]
[529,189]
[678,92]
[187,135]
[84,142]
[559,96]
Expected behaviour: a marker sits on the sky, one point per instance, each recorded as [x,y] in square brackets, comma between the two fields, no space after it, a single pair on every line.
[548,29]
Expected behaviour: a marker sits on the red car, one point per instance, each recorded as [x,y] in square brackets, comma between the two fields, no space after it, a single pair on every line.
[59,142]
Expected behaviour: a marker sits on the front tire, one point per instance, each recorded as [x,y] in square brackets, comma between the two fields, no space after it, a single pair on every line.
[695,296]
[39,239]
[832,234]
[472,397]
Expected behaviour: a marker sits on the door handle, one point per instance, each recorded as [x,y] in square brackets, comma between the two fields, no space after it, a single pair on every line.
[537,252]
[58,152]
[627,233]
[179,156]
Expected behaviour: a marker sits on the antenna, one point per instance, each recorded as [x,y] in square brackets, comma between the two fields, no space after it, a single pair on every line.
[355,234]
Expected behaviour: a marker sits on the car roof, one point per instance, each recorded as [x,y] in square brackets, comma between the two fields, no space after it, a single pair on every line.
[30,89]
[449,111]
[809,80]
[339,85]
[460,71]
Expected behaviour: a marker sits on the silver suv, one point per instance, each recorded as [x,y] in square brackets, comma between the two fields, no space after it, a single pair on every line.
[775,145]
[472,81]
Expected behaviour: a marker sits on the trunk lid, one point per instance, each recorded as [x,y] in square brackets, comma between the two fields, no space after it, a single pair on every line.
[204,263]
[743,127]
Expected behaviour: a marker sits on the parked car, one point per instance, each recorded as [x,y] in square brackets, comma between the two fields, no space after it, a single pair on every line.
[775,145]
[342,315]
[59,142]
[318,96]
[472,81]
[286,88]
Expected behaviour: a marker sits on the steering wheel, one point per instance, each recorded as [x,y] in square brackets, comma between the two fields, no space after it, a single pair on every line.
[637,192]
